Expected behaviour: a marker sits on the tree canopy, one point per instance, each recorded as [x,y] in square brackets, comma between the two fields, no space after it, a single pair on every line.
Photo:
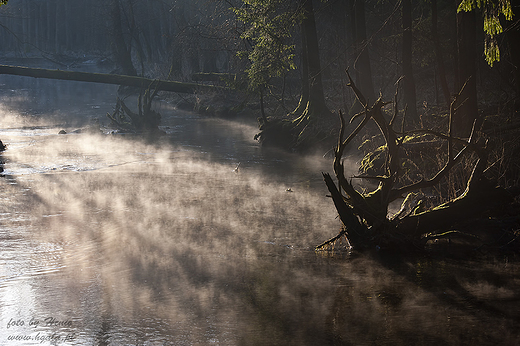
[268,26]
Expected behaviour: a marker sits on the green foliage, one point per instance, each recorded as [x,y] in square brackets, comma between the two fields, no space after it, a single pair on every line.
[3,2]
[491,11]
[268,25]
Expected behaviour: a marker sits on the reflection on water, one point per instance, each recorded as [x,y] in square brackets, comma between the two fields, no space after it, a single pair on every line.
[111,240]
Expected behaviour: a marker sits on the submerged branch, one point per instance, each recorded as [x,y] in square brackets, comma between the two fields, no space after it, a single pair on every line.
[331,241]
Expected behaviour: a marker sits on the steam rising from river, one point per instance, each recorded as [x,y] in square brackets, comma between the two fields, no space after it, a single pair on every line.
[141,243]
[137,226]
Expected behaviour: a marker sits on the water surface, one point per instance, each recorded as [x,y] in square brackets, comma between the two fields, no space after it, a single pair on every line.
[118,240]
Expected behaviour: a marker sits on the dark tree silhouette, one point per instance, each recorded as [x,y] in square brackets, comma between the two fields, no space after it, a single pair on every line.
[466,73]
[408,78]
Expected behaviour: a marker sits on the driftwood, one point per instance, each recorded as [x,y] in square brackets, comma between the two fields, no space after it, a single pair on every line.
[365,215]
[104,78]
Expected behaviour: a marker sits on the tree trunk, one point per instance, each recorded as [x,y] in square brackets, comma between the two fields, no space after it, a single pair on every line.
[68,29]
[311,113]
[363,71]
[134,81]
[51,25]
[122,52]
[312,100]
[480,197]
[25,26]
[438,55]
[305,92]
[408,79]
[312,51]
[57,27]
[312,107]
[356,232]
[466,48]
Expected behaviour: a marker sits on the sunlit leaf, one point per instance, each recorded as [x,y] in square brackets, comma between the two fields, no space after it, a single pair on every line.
[491,11]
[267,31]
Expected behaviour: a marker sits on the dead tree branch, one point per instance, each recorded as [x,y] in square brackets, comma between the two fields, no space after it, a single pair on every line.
[365,215]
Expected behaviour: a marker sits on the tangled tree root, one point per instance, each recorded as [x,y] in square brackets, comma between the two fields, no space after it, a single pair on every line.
[365,214]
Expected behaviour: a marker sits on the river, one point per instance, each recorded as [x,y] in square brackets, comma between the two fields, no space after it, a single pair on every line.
[112,239]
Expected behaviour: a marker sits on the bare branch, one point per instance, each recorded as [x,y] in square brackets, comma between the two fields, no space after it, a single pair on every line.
[451,160]
[359,95]
[396,109]
[439,135]
[371,177]
[326,244]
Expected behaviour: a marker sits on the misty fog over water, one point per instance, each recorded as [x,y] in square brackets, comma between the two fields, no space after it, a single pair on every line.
[110,239]
[198,234]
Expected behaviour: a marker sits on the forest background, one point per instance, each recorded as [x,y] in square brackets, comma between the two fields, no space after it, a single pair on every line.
[292,62]
[430,42]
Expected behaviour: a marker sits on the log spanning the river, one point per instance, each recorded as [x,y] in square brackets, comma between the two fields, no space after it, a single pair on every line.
[105,78]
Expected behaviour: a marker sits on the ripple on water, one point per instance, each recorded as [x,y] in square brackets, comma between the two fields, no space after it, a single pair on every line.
[177,250]
[18,264]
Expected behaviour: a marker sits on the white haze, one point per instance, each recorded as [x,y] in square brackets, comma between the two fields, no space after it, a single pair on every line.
[115,214]
[142,243]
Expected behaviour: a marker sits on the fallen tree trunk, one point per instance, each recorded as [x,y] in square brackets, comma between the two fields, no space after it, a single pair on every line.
[213,77]
[104,78]
[478,199]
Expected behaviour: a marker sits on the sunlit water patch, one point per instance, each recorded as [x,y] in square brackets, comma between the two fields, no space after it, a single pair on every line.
[146,233]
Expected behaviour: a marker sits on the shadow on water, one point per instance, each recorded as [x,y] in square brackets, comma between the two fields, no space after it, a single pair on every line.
[393,299]
[163,243]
